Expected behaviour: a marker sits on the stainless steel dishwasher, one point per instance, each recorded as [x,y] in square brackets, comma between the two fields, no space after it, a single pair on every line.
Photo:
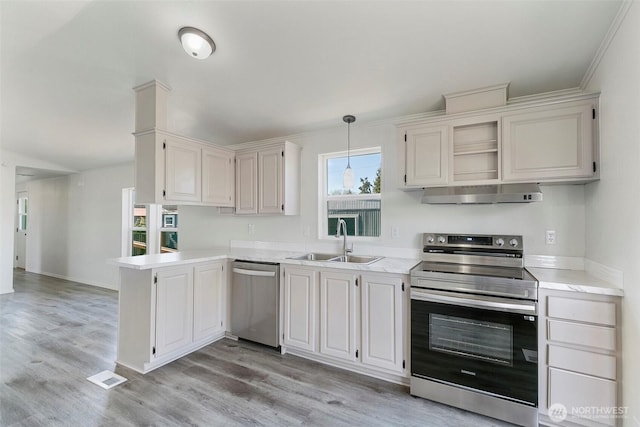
[255,301]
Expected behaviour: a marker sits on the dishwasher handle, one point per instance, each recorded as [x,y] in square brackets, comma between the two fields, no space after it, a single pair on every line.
[246,272]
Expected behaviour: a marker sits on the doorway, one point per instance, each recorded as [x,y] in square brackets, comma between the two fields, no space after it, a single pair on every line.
[22,204]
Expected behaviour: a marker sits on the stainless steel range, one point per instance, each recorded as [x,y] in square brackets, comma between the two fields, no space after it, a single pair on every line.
[474,321]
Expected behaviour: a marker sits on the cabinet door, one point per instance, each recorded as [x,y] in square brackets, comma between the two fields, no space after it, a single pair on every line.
[208,300]
[338,314]
[300,301]
[183,171]
[382,343]
[174,309]
[246,183]
[270,181]
[218,177]
[426,155]
[549,144]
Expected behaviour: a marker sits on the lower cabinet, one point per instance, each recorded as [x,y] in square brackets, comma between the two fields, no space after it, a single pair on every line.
[300,292]
[382,317]
[579,358]
[209,288]
[174,310]
[167,313]
[350,320]
[338,314]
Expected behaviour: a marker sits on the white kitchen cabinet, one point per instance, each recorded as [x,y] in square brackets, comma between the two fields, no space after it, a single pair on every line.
[300,294]
[247,183]
[382,321]
[218,177]
[174,309]
[475,149]
[268,180]
[551,143]
[362,319]
[270,185]
[338,314]
[166,313]
[208,300]
[542,139]
[173,169]
[423,155]
[183,172]
[579,358]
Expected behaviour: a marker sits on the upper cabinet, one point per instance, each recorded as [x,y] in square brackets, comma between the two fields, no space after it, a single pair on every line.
[549,143]
[183,170]
[268,180]
[218,177]
[426,155]
[550,139]
[173,169]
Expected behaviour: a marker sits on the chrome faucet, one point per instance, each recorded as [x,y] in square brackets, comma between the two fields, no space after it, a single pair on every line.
[345,250]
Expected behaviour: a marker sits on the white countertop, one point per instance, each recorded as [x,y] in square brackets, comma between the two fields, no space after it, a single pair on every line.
[573,280]
[145,262]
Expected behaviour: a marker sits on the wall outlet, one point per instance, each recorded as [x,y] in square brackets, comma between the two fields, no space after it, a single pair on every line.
[551,237]
[251,228]
[395,232]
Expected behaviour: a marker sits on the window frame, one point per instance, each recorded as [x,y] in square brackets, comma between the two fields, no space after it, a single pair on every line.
[324,197]
[153,229]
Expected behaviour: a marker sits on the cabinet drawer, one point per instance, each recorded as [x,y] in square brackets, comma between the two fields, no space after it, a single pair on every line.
[581,334]
[578,393]
[600,312]
[600,365]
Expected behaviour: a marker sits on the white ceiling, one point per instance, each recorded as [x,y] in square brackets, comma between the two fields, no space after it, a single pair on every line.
[67,68]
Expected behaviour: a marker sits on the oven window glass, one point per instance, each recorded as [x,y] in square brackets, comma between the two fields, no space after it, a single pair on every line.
[475,339]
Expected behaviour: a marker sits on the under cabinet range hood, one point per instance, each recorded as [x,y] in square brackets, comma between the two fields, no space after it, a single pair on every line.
[479,194]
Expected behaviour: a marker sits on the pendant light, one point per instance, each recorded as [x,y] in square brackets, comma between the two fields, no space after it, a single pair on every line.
[196,43]
[347,176]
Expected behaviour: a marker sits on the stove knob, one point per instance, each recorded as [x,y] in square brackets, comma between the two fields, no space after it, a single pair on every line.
[430,239]
[513,242]
[500,242]
[441,239]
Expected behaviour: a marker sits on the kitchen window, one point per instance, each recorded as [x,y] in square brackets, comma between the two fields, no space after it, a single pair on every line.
[147,229]
[359,206]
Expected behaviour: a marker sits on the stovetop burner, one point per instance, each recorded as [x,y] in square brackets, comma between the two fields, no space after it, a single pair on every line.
[475,270]
[478,264]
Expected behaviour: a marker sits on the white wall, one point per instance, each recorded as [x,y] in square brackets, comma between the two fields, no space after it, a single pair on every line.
[8,162]
[75,225]
[561,210]
[613,204]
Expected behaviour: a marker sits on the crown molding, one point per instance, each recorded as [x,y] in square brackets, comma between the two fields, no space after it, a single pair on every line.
[606,42]
[153,82]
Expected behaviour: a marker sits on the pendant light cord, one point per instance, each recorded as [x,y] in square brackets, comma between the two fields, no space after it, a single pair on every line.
[349,144]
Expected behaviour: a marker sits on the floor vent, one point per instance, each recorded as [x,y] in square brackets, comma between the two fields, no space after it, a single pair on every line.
[107,379]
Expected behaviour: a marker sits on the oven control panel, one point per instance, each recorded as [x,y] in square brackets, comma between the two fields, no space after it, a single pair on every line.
[473,241]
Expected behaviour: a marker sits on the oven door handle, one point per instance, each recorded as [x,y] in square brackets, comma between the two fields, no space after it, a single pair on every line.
[530,308]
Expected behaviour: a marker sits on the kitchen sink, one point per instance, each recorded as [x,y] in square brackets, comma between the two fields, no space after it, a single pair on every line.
[356,259]
[312,256]
[353,259]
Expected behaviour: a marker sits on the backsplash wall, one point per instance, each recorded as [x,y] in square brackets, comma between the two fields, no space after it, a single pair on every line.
[562,209]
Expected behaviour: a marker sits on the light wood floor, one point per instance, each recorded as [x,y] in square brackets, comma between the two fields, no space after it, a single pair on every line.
[55,333]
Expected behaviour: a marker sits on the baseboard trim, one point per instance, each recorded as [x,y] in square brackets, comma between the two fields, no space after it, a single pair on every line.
[74,279]
[370,372]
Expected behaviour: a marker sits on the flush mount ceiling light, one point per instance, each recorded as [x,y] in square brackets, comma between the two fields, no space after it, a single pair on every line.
[347,176]
[196,43]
